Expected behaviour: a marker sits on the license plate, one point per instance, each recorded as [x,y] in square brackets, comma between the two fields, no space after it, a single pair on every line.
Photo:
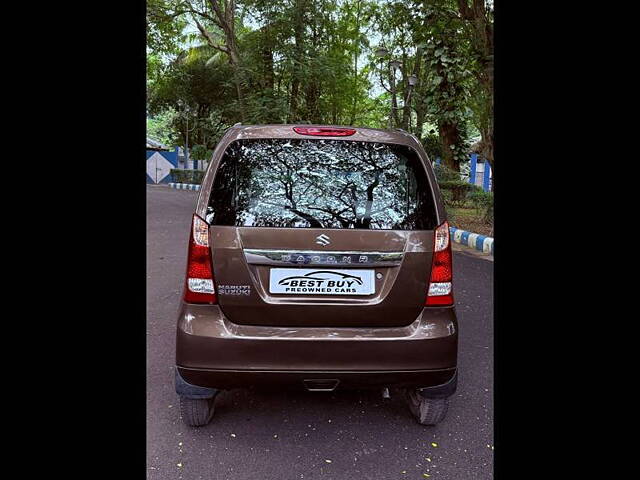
[321,281]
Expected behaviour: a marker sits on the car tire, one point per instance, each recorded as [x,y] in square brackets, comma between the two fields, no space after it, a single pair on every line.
[427,411]
[196,412]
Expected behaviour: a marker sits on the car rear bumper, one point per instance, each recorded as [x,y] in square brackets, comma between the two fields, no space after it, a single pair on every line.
[213,352]
[197,383]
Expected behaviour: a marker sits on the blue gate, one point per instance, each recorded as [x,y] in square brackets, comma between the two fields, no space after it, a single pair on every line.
[159,165]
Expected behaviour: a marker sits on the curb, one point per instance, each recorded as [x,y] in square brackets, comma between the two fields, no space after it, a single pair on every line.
[473,240]
[184,186]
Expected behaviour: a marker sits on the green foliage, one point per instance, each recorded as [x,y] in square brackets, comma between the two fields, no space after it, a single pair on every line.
[483,202]
[300,61]
[187,176]
[198,95]
[458,191]
[160,127]
[164,37]
[445,174]
[200,152]
[460,194]
[454,191]
[432,145]
[479,198]
[447,199]
[448,84]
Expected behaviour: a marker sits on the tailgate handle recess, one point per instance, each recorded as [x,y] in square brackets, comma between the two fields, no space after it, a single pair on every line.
[321,385]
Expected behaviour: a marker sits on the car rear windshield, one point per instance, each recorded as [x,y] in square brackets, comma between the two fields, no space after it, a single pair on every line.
[337,184]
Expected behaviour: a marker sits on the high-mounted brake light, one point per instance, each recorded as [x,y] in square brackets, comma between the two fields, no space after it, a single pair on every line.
[199,282]
[325,131]
[440,292]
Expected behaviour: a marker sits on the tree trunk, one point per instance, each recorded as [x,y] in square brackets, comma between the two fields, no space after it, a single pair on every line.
[406,110]
[298,59]
[268,77]
[394,119]
[224,17]
[354,106]
[234,59]
[312,95]
[420,114]
[312,91]
[449,135]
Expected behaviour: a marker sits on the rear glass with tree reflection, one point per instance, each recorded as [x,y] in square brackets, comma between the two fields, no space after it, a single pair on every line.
[321,184]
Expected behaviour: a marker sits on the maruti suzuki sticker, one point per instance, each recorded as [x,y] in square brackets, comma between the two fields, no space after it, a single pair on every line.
[321,282]
[234,289]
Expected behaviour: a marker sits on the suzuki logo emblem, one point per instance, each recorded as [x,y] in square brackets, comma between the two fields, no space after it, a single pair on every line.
[323,240]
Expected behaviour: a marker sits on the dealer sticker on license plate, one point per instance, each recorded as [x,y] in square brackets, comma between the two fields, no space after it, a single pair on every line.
[320,281]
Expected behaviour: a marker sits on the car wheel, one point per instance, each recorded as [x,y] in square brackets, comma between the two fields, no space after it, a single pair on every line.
[427,411]
[196,412]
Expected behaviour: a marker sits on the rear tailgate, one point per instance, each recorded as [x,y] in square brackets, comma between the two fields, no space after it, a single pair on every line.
[324,232]
[398,263]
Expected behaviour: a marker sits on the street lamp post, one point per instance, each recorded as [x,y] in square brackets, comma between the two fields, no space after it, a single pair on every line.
[186,143]
[412,80]
[187,111]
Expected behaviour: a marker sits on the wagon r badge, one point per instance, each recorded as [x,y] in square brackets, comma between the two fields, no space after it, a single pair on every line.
[323,240]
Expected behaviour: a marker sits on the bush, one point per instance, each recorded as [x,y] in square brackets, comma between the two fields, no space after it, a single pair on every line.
[457,192]
[200,152]
[488,215]
[187,176]
[482,201]
[447,196]
[453,189]
[445,174]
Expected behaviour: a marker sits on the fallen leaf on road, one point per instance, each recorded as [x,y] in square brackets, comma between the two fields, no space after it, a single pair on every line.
[434,444]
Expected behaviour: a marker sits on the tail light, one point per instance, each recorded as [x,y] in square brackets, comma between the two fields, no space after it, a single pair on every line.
[325,131]
[440,291]
[199,281]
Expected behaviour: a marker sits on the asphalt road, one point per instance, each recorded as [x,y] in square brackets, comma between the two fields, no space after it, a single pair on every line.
[302,435]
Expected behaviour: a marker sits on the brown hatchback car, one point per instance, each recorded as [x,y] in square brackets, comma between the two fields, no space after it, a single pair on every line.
[319,258]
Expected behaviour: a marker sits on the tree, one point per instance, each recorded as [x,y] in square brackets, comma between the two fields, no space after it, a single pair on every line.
[161,127]
[217,62]
[216,21]
[197,91]
[448,78]
[479,19]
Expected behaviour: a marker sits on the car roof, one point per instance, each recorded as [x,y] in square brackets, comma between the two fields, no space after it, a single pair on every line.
[365,134]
